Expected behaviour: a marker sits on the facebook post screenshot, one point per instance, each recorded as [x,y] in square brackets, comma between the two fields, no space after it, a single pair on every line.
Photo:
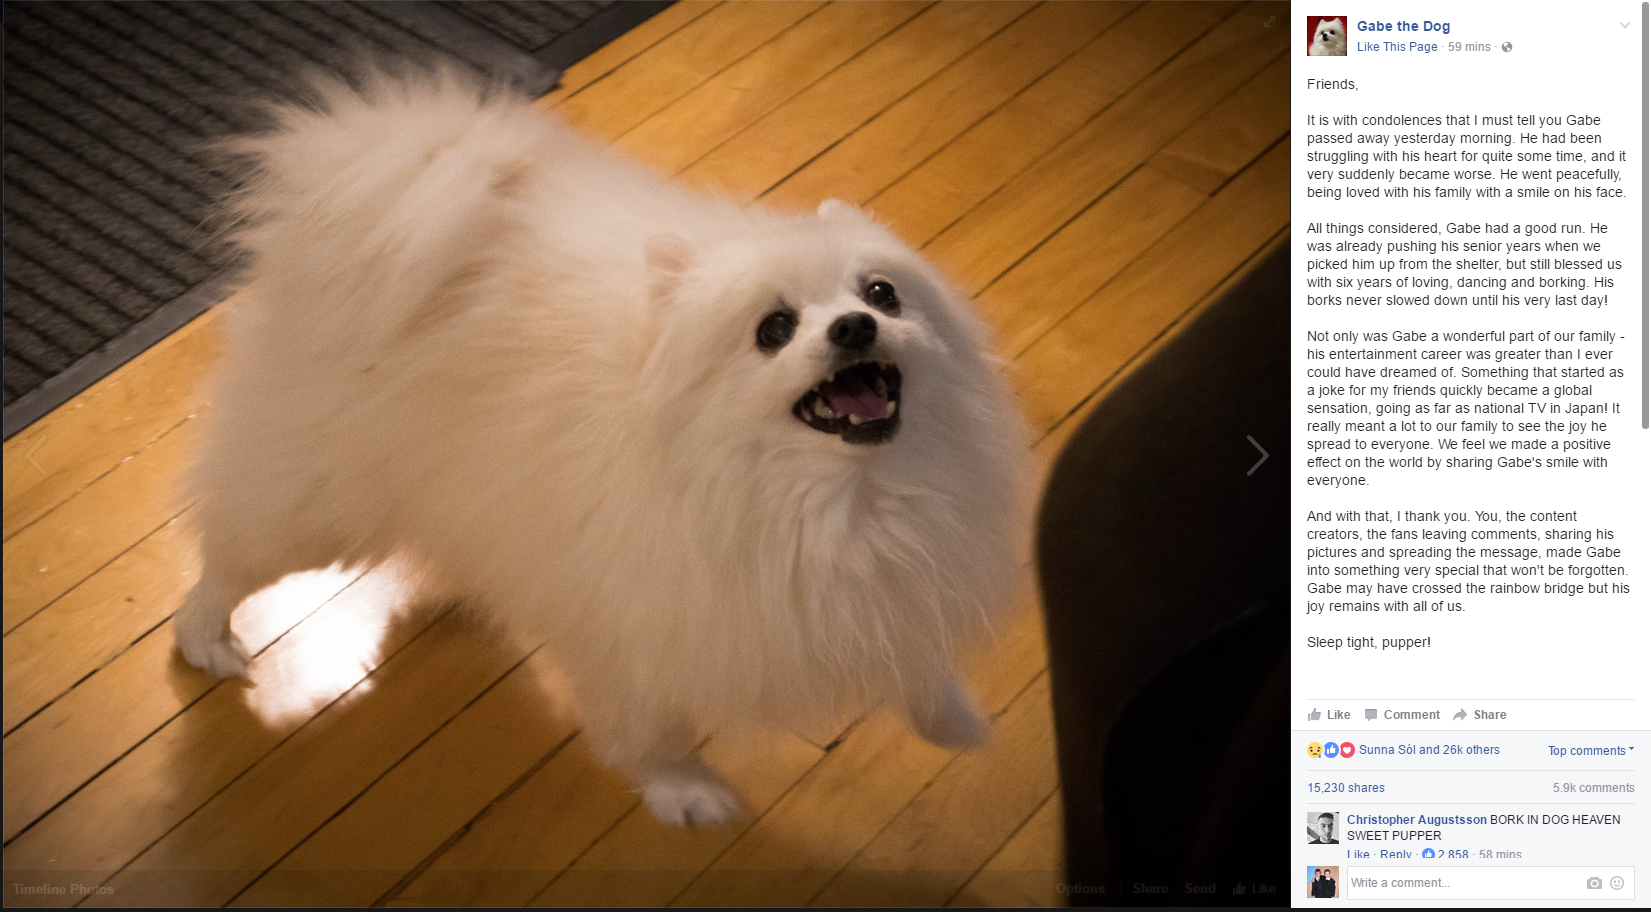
[1471,478]
[827,453]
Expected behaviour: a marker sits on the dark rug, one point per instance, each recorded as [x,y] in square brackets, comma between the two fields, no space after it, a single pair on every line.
[106,189]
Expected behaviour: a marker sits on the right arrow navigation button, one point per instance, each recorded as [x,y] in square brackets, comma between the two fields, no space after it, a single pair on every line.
[1258,462]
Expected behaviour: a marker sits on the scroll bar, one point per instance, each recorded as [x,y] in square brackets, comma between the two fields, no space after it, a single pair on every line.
[1645,214]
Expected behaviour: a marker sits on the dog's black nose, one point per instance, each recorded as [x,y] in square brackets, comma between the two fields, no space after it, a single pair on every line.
[854,331]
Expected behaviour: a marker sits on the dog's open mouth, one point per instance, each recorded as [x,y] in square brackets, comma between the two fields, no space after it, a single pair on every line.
[859,403]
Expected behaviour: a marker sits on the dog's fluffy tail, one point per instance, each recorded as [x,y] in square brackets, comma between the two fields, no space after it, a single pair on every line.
[360,204]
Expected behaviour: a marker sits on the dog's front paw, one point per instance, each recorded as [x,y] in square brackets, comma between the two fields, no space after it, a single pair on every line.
[210,648]
[691,800]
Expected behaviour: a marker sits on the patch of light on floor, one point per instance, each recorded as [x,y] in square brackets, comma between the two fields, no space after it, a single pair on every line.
[328,653]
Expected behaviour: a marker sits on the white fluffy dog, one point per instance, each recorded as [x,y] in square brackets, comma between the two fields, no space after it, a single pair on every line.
[739,468]
[1329,39]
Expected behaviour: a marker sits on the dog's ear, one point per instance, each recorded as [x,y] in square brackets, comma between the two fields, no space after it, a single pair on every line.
[837,209]
[667,257]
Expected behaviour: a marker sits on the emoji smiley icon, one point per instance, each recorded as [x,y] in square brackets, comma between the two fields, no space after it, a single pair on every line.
[1314,750]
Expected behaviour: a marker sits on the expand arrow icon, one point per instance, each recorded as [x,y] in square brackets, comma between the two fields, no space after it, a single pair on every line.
[1258,462]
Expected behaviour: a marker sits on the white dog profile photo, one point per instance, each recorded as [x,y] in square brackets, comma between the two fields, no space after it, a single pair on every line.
[1329,38]
[736,468]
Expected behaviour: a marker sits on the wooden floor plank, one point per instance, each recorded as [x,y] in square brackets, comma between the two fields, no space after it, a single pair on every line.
[114,709]
[1027,870]
[1039,200]
[1221,143]
[781,141]
[212,854]
[509,853]
[824,734]
[999,668]
[922,123]
[640,40]
[120,509]
[1083,256]
[1048,449]
[676,65]
[939,840]
[96,621]
[1069,362]
[642,862]
[596,810]
[81,440]
[357,856]
[1090,249]
[703,119]
[189,759]
[921,204]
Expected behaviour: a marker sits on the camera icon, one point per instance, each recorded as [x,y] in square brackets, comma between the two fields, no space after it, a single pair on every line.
[1595,884]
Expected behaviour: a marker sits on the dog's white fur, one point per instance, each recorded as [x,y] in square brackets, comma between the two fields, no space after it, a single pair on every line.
[1329,39]
[474,338]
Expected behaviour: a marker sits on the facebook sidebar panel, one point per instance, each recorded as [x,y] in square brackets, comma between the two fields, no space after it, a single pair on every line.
[1471,488]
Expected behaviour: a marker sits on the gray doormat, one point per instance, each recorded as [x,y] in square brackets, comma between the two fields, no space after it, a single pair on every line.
[106,190]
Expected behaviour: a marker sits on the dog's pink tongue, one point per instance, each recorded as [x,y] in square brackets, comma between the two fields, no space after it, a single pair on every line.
[854,397]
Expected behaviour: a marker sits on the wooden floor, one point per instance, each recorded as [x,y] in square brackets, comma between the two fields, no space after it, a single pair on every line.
[1089,172]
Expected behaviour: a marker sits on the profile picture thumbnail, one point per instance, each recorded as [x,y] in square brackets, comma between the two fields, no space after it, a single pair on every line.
[1323,828]
[1324,882]
[1327,36]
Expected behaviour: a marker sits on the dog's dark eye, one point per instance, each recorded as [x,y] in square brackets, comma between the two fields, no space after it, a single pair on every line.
[775,330]
[880,294]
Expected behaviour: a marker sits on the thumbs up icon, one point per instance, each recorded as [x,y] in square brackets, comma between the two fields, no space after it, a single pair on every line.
[1314,715]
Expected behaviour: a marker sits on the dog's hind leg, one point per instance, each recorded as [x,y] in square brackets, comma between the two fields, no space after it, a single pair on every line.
[678,787]
[688,792]
[944,714]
